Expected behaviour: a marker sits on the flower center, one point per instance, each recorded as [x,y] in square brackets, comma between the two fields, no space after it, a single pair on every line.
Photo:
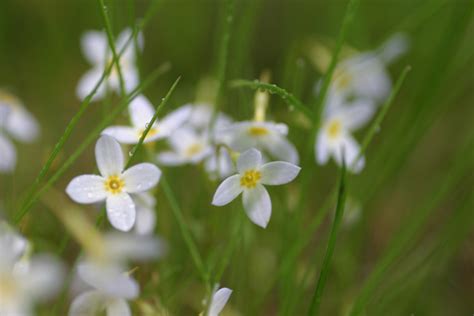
[334,128]
[193,149]
[8,98]
[250,178]
[342,79]
[152,132]
[7,289]
[257,131]
[114,184]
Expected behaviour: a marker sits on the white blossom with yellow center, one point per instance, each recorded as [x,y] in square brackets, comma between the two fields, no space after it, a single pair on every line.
[141,113]
[335,133]
[114,185]
[96,49]
[249,181]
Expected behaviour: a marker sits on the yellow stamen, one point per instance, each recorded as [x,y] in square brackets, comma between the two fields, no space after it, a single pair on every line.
[194,149]
[152,132]
[334,128]
[342,79]
[114,184]
[257,131]
[250,178]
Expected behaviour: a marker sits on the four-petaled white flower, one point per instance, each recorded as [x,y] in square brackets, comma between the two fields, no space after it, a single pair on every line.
[17,122]
[114,184]
[141,113]
[335,136]
[249,181]
[218,300]
[96,49]
[269,137]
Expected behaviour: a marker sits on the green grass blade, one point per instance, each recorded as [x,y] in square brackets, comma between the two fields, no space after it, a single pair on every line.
[289,98]
[341,200]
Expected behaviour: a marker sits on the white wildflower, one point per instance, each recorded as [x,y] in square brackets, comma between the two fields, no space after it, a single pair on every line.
[218,301]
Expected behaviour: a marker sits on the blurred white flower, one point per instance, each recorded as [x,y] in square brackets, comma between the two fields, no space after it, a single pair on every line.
[201,116]
[335,134]
[218,301]
[219,164]
[16,122]
[187,146]
[145,205]
[114,184]
[269,137]
[96,49]
[249,181]
[141,112]
[25,281]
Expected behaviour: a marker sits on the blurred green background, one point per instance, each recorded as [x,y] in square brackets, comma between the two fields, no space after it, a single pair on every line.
[419,146]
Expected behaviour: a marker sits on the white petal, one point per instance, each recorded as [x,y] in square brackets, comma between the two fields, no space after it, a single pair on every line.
[219,299]
[280,148]
[227,191]
[109,156]
[130,50]
[123,134]
[146,221]
[43,277]
[87,189]
[394,47]
[108,279]
[130,77]
[141,111]
[170,158]
[351,150]
[175,119]
[126,246]
[250,159]
[141,177]
[94,46]
[121,211]
[257,205]
[321,148]
[22,125]
[88,82]
[278,172]
[87,303]
[7,155]
[357,114]
[118,307]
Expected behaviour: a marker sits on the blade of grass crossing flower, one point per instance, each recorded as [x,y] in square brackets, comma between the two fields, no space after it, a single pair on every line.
[90,139]
[289,98]
[341,199]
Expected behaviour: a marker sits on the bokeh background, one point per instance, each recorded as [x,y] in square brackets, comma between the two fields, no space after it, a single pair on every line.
[413,157]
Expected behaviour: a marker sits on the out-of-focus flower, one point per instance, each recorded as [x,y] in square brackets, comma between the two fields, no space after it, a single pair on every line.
[269,137]
[249,181]
[201,116]
[219,164]
[17,122]
[187,147]
[96,49]
[218,301]
[114,184]
[145,205]
[26,281]
[339,121]
[141,112]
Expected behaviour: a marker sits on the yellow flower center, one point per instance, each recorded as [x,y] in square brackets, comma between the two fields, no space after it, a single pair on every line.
[257,131]
[250,178]
[114,184]
[152,132]
[194,149]
[7,289]
[342,79]
[334,128]
[8,98]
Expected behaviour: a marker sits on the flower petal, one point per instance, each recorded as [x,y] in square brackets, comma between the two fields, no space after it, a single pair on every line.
[42,278]
[94,46]
[7,155]
[87,83]
[321,148]
[141,111]
[87,303]
[22,125]
[121,211]
[118,307]
[278,172]
[257,205]
[249,159]
[227,191]
[357,114]
[126,246]
[175,119]
[87,189]
[123,134]
[141,177]
[146,221]
[109,156]
[351,151]
[122,39]
[219,299]
[170,158]
[280,148]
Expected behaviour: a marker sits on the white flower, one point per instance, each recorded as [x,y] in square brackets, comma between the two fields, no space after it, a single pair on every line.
[219,164]
[269,137]
[201,116]
[218,301]
[96,49]
[114,184]
[145,205]
[249,181]
[141,112]
[17,122]
[187,147]
[24,282]
[335,133]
